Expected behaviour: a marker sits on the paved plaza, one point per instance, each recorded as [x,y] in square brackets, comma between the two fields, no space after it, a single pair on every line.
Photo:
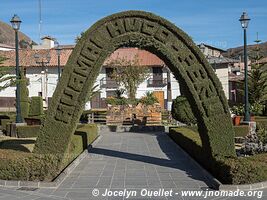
[132,163]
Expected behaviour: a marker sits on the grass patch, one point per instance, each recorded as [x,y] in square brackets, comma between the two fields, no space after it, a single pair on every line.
[230,170]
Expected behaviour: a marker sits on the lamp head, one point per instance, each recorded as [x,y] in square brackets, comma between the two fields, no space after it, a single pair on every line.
[15,21]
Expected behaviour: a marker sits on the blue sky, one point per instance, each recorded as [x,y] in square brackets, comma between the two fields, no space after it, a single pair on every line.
[209,21]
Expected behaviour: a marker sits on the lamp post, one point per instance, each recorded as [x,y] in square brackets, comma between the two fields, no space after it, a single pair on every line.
[244,20]
[15,21]
[43,60]
[58,49]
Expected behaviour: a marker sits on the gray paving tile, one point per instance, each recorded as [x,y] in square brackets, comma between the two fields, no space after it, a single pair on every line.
[125,160]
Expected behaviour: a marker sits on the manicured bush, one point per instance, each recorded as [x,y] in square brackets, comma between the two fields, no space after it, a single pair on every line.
[261,122]
[36,106]
[182,112]
[84,135]
[229,170]
[27,131]
[24,97]
[241,131]
[18,165]
[4,123]
[157,35]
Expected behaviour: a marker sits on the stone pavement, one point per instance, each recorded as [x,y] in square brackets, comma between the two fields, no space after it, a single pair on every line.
[131,163]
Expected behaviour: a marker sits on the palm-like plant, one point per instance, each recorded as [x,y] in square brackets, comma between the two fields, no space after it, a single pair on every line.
[6,80]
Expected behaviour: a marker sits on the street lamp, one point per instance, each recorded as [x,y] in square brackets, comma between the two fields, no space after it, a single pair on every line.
[58,49]
[244,20]
[43,60]
[15,21]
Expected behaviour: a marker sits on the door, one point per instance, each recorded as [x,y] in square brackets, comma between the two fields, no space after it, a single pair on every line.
[160,97]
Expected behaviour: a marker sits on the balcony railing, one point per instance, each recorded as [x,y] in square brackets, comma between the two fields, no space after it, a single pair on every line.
[107,83]
[156,83]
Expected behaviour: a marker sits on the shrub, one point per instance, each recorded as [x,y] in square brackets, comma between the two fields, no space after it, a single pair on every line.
[84,135]
[237,110]
[27,131]
[4,123]
[229,170]
[36,106]
[182,112]
[149,99]
[261,122]
[18,165]
[116,101]
[241,131]
[262,134]
[24,97]
[257,108]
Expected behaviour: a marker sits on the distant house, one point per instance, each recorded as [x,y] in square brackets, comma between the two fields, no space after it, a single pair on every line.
[221,65]
[156,82]
[43,78]
[48,42]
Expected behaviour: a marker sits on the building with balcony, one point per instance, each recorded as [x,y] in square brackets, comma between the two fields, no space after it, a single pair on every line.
[159,77]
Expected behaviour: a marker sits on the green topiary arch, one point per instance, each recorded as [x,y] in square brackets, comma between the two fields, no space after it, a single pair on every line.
[157,35]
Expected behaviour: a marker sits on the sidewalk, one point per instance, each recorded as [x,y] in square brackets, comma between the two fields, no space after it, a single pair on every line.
[126,162]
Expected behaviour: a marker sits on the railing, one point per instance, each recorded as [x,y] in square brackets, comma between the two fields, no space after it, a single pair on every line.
[104,83]
[156,83]
[98,116]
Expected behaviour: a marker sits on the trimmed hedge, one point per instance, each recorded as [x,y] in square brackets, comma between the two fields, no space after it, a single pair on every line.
[83,136]
[27,131]
[241,131]
[24,97]
[229,170]
[36,106]
[18,165]
[182,112]
[159,36]
[261,122]
[4,123]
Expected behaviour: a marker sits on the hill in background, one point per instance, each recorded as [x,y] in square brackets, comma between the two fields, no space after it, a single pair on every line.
[238,51]
[7,36]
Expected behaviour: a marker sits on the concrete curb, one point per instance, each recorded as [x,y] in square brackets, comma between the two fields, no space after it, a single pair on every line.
[60,178]
[254,186]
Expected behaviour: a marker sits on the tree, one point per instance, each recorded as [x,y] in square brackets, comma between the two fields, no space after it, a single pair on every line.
[129,73]
[77,39]
[257,78]
[6,80]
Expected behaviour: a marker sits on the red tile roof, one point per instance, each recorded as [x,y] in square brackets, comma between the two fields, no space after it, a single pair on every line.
[26,57]
[145,57]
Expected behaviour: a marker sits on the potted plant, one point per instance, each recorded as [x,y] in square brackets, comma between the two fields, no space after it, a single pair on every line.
[238,112]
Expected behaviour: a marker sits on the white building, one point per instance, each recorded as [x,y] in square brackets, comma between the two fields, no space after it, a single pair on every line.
[44,83]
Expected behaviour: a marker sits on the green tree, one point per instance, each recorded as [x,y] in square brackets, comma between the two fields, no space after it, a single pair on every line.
[257,78]
[77,39]
[6,80]
[129,73]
